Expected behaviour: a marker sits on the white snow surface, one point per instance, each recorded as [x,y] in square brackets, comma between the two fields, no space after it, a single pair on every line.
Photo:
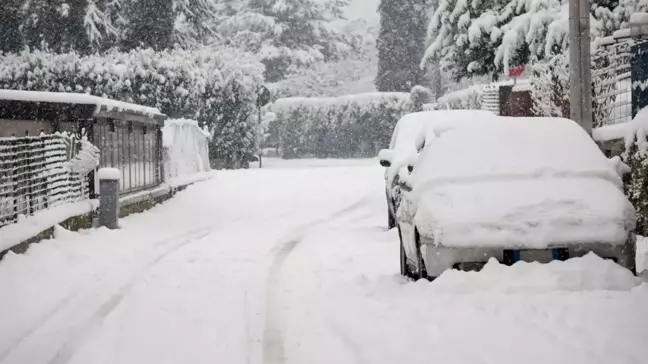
[30,226]
[519,182]
[639,18]
[109,174]
[76,98]
[260,266]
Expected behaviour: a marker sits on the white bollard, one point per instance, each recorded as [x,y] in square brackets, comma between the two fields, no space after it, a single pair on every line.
[109,197]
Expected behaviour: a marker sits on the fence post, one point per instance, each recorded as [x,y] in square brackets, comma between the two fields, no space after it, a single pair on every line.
[109,197]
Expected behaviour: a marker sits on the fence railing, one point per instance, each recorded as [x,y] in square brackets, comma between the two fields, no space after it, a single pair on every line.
[35,175]
[132,148]
[611,78]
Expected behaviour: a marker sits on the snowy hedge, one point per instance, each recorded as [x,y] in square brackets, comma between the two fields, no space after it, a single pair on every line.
[348,126]
[217,87]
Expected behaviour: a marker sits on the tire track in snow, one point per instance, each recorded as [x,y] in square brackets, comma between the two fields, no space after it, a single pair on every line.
[65,303]
[67,351]
[273,340]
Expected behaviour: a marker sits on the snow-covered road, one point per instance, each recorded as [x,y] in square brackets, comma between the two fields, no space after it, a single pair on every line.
[292,264]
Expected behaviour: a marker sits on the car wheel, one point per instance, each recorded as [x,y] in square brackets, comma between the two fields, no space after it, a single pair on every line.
[421,272]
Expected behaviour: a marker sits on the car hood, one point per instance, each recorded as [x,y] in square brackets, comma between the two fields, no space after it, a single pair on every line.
[525,213]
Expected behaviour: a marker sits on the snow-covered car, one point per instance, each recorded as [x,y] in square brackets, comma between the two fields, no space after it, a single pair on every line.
[406,142]
[518,189]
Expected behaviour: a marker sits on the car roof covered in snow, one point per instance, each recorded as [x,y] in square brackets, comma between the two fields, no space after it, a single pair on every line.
[410,126]
[510,148]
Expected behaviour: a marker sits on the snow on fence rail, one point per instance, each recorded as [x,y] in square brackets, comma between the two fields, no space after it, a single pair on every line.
[37,173]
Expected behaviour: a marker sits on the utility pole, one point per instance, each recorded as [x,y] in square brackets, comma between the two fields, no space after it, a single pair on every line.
[580,64]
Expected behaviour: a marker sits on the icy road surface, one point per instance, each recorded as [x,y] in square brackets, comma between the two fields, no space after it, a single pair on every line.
[292,264]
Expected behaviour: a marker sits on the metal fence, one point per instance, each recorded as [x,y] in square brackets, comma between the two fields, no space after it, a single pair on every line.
[611,78]
[134,149]
[34,175]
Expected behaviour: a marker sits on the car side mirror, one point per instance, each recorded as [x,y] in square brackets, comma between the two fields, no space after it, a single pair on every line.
[385,157]
[410,168]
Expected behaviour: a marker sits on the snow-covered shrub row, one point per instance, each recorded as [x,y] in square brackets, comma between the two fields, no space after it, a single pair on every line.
[186,148]
[635,135]
[347,126]
[215,86]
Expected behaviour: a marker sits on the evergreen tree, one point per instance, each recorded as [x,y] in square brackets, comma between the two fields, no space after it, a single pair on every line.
[401,44]
[55,24]
[195,22]
[475,37]
[10,38]
[150,24]
[287,32]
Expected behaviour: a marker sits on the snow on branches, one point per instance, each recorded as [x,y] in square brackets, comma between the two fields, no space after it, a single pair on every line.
[476,37]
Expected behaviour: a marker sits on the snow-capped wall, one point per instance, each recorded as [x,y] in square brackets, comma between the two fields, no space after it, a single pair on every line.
[186,148]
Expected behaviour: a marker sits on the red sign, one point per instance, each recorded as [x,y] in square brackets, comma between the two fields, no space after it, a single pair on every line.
[516,71]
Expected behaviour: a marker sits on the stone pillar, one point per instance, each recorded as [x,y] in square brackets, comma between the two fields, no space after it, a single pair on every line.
[109,197]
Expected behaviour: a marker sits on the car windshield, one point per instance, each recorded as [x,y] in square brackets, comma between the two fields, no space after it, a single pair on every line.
[323,181]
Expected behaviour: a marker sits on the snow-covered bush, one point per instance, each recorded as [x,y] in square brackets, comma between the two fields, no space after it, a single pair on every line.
[636,157]
[347,126]
[217,87]
[550,86]
[466,99]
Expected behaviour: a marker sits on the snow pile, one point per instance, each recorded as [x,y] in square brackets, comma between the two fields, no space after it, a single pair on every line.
[31,226]
[346,126]
[520,182]
[588,273]
[186,148]
[112,174]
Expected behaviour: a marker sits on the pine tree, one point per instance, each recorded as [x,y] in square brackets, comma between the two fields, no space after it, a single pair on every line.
[150,24]
[195,22]
[55,24]
[10,38]
[401,44]
[476,37]
[98,22]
